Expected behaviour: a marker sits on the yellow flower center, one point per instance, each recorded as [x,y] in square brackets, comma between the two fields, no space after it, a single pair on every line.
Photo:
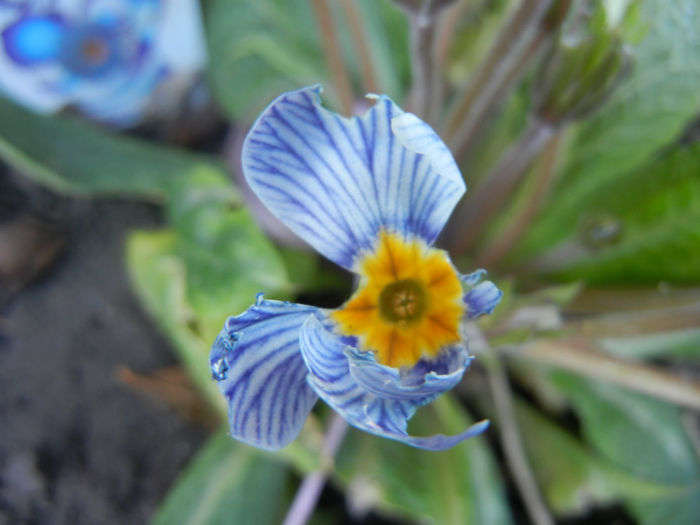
[409,303]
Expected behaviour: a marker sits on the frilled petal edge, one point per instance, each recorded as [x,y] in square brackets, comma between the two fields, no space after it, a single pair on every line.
[257,363]
[329,375]
[421,383]
[337,182]
[415,135]
[472,279]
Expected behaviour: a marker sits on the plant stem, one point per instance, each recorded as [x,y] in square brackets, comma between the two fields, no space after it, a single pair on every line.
[513,447]
[311,487]
[509,432]
[361,44]
[639,306]
[691,422]
[679,313]
[519,40]
[334,55]
[495,251]
[422,60]
[447,29]
[579,357]
[477,209]
[425,98]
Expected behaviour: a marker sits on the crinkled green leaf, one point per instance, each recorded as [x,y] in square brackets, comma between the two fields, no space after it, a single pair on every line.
[73,156]
[457,486]
[645,437]
[210,265]
[227,482]
[227,257]
[648,111]
[159,277]
[260,49]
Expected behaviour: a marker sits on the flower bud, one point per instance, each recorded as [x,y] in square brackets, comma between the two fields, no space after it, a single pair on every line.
[580,71]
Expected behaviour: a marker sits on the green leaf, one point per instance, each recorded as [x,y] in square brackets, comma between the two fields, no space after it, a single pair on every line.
[260,49]
[644,437]
[638,433]
[311,274]
[653,214]
[648,111]
[209,266]
[73,156]
[457,486]
[571,477]
[227,258]
[667,60]
[227,482]
[159,278]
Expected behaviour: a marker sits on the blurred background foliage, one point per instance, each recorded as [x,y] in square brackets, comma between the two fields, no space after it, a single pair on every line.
[576,127]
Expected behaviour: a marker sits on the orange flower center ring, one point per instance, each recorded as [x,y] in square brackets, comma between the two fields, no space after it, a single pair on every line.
[408,305]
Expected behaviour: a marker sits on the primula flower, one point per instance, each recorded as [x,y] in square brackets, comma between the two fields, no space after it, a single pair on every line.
[104,56]
[371,194]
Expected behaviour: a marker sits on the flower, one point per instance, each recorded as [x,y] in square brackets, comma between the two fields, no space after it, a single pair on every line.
[104,56]
[371,194]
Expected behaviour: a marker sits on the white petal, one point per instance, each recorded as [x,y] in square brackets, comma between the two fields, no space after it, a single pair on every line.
[336,181]
[330,377]
[259,368]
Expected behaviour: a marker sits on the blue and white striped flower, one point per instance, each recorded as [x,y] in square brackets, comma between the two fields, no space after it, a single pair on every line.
[370,193]
[106,57]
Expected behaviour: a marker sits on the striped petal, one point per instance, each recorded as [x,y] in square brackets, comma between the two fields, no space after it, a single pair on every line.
[336,181]
[330,376]
[259,369]
[421,383]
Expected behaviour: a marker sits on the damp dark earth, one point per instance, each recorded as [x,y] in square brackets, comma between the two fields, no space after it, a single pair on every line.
[80,443]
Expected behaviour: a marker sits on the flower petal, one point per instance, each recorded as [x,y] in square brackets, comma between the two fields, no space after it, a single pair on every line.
[260,371]
[415,135]
[472,279]
[336,181]
[482,299]
[330,377]
[421,383]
